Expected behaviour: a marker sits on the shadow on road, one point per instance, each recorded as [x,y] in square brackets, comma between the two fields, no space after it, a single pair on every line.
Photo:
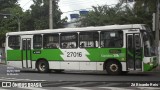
[88,73]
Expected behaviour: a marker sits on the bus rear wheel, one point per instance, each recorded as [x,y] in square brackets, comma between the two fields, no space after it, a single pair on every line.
[113,68]
[43,66]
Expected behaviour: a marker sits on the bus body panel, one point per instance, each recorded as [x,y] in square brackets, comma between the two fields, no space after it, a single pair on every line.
[93,58]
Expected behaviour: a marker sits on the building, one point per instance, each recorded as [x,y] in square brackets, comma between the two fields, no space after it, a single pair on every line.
[74,19]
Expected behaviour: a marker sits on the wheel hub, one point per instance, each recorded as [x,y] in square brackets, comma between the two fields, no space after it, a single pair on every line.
[42,66]
[113,67]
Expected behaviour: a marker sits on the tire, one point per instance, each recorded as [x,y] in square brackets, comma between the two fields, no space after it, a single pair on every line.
[113,68]
[125,72]
[43,66]
[58,70]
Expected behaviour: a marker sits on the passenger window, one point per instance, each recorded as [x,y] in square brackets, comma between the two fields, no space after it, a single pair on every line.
[112,39]
[37,41]
[14,42]
[88,39]
[51,41]
[69,40]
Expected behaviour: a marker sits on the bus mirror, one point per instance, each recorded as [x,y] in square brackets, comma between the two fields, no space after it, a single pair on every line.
[112,34]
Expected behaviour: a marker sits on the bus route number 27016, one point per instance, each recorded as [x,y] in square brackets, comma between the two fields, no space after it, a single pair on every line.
[74,54]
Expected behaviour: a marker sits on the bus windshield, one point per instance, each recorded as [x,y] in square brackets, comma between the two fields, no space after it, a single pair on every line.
[149,43]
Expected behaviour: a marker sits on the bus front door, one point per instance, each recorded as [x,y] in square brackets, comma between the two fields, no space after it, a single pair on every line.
[26,53]
[133,51]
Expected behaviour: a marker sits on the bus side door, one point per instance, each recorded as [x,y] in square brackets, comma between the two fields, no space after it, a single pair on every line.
[26,53]
[133,51]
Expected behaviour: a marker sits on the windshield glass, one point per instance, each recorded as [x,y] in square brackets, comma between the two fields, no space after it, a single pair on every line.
[149,43]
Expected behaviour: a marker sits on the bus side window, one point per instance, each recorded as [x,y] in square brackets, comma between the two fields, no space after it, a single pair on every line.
[112,39]
[37,41]
[50,41]
[88,39]
[72,45]
[69,40]
[82,45]
[64,45]
[14,42]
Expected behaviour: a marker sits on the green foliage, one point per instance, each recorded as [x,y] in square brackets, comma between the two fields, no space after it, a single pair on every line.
[141,12]
[7,3]
[144,10]
[40,17]
[10,22]
[35,19]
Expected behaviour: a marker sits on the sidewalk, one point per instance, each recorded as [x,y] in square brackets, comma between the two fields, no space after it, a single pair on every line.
[157,69]
[2,62]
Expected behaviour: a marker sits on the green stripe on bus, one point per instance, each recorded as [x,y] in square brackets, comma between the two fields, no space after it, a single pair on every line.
[102,54]
[49,54]
[14,55]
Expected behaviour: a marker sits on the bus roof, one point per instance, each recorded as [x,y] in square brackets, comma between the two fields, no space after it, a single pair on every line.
[92,28]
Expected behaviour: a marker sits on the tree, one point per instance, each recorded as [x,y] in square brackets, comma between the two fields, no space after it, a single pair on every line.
[10,22]
[34,19]
[144,10]
[7,3]
[122,13]
[39,15]
[105,15]
[27,23]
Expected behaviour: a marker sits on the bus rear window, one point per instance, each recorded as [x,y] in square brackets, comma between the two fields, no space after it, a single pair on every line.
[14,42]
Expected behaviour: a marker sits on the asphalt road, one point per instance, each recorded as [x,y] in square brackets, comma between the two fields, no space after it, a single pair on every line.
[78,80]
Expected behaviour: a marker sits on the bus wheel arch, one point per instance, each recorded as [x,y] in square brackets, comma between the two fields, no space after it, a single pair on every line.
[42,65]
[112,66]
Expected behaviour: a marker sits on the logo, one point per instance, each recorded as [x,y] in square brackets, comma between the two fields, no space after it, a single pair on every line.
[6,84]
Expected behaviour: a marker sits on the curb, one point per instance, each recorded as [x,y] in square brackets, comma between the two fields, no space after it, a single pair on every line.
[157,68]
[2,63]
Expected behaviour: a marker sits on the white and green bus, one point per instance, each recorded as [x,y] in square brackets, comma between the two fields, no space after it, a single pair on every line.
[114,48]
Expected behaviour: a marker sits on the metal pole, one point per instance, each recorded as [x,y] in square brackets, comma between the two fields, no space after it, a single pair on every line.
[50,15]
[19,24]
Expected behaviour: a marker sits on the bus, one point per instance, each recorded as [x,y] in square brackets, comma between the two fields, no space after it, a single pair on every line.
[115,49]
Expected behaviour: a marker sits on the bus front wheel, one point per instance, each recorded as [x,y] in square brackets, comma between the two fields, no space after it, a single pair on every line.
[43,66]
[113,68]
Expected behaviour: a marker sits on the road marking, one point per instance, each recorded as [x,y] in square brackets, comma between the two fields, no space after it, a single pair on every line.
[149,88]
[32,88]
[57,84]
[75,88]
[110,84]
[115,88]
[84,84]
[3,89]
[15,79]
